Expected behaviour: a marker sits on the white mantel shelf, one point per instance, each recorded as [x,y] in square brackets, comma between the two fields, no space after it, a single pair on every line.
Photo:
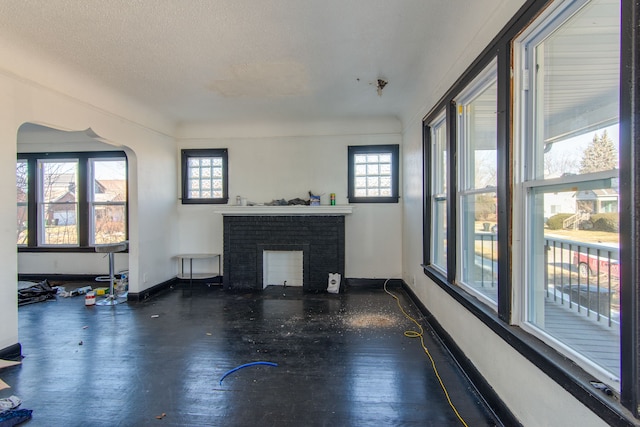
[301,210]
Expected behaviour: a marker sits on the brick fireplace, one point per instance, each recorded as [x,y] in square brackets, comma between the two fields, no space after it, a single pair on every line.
[320,238]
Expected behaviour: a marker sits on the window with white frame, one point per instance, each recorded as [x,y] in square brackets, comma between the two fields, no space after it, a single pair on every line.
[204,176]
[22,190]
[438,137]
[108,200]
[476,195]
[567,98]
[373,174]
[58,202]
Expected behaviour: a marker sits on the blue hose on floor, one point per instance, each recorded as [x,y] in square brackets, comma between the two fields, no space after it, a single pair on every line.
[245,366]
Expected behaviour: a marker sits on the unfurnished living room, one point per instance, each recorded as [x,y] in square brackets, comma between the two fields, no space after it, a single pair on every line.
[312,213]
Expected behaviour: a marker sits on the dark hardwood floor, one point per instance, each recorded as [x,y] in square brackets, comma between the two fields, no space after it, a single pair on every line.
[342,361]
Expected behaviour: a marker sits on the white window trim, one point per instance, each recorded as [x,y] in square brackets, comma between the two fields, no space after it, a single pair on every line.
[523,183]
[483,80]
[92,203]
[439,121]
[40,186]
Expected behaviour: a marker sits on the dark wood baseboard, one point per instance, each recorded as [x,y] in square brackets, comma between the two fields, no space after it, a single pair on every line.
[500,410]
[58,277]
[152,291]
[372,283]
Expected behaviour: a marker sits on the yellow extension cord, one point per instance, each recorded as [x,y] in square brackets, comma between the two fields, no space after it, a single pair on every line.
[420,334]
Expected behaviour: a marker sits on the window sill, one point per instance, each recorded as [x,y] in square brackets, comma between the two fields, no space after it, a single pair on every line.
[558,367]
[74,249]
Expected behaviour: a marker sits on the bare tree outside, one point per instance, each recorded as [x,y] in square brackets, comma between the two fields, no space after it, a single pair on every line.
[22,199]
[109,200]
[59,202]
[555,166]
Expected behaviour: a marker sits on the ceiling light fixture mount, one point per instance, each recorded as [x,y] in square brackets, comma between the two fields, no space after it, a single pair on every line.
[380,85]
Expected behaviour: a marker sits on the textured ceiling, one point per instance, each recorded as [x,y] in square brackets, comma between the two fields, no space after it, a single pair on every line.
[229,60]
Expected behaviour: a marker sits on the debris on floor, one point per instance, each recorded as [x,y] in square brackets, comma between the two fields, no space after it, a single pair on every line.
[10,402]
[8,363]
[246,365]
[31,292]
[371,320]
[74,292]
[161,416]
[13,417]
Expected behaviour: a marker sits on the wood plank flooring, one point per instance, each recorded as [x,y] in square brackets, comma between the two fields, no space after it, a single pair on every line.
[342,361]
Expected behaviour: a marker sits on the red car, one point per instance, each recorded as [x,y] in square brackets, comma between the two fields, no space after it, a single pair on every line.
[588,264]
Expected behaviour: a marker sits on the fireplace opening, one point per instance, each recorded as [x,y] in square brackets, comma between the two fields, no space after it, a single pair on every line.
[282,268]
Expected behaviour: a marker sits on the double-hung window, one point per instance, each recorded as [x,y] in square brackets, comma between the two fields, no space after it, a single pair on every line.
[567,182]
[57,190]
[107,200]
[438,139]
[22,187]
[476,198]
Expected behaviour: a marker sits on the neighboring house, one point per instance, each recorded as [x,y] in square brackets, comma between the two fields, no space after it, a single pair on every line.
[556,203]
[597,201]
[109,191]
[62,209]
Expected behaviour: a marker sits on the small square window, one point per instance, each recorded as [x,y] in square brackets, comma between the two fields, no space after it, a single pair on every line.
[204,176]
[373,174]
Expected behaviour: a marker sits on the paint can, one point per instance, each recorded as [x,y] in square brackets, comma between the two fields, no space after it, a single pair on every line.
[90,298]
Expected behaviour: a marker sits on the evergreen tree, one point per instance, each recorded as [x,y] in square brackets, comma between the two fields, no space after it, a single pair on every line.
[600,155]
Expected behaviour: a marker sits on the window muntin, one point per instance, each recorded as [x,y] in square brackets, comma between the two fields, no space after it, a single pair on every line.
[108,200]
[477,178]
[569,165]
[58,202]
[204,176]
[373,174]
[439,159]
[22,197]
[57,199]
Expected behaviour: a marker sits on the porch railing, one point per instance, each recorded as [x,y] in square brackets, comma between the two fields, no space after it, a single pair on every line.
[585,276]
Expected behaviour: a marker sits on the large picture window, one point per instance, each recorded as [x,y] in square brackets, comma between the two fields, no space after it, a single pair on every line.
[71,200]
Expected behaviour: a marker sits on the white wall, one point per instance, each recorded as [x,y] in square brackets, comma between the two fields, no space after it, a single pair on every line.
[285,161]
[36,91]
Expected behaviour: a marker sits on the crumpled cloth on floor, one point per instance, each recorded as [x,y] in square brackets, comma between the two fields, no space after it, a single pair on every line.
[38,292]
[13,417]
[10,402]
